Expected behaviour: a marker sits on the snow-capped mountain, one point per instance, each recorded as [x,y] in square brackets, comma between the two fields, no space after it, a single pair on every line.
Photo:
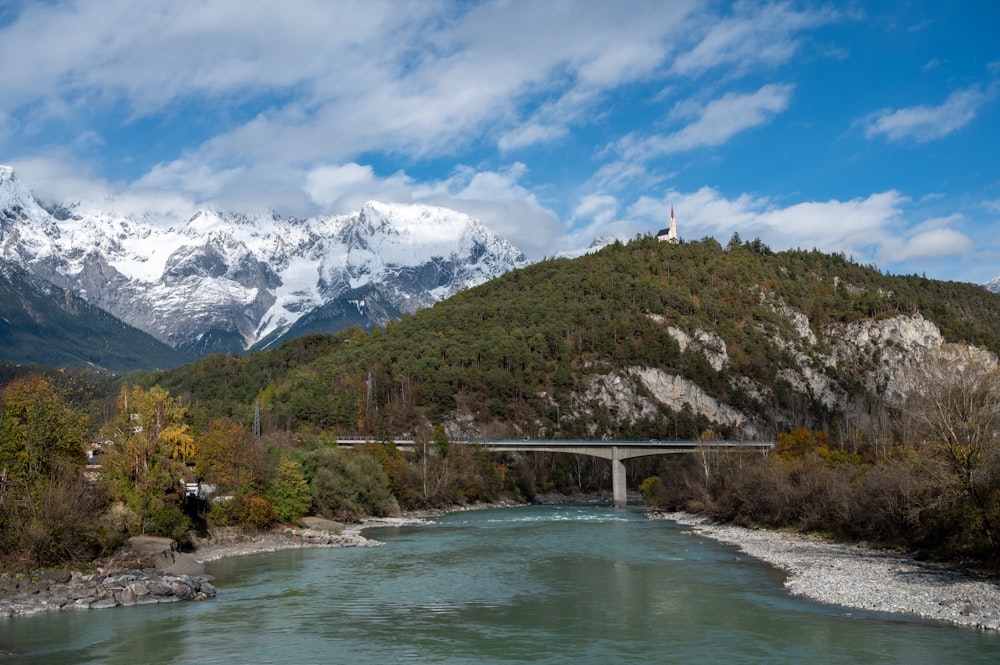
[993,285]
[596,245]
[223,281]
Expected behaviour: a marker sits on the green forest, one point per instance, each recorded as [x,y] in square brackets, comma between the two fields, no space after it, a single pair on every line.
[514,358]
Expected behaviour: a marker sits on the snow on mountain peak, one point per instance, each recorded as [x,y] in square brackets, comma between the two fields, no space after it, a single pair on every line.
[596,245]
[27,230]
[993,285]
[14,194]
[247,276]
[388,243]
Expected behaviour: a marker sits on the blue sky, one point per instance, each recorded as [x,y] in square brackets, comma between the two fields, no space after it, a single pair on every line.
[868,128]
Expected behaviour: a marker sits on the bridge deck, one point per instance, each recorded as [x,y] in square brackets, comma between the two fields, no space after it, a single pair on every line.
[651,444]
[614,451]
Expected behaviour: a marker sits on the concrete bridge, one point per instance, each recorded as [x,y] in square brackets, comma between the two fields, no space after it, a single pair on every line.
[613,451]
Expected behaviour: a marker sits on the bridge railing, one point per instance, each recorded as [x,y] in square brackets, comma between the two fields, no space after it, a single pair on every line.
[651,443]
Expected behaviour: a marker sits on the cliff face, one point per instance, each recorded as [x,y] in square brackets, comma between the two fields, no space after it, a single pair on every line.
[880,355]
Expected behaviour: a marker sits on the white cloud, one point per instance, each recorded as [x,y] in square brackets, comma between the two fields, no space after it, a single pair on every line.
[323,80]
[733,113]
[326,184]
[153,53]
[935,243]
[501,202]
[754,34]
[874,228]
[529,226]
[702,213]
[471,184]
[530,134]
[620,174]
[58,177]
[344,188]
[601,208]
[311,81]
[714,123]
[927,123]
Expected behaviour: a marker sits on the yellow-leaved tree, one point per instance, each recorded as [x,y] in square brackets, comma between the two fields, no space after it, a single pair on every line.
[229,457]
[145,444]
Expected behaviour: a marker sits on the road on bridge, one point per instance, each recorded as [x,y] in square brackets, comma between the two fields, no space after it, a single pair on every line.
[614,451]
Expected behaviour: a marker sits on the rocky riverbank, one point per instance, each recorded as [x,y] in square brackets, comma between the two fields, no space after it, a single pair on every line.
[22,595]
[862,578]
[315,532]
[152,570]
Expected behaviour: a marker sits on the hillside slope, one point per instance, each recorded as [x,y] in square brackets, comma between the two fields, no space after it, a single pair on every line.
[46,325]
[643,340]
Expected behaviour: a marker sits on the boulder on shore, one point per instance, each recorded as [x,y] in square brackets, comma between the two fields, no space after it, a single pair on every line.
[162,554]
[36,593]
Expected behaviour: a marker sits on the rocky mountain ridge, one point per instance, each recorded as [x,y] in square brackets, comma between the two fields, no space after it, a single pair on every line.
[225,281]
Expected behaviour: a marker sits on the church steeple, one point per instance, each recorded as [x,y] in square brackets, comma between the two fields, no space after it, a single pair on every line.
[670,234]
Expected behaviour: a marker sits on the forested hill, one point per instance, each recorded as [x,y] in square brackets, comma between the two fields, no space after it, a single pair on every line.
[644,340]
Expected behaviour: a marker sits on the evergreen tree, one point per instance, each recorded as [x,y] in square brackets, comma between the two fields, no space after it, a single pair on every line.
[289,492]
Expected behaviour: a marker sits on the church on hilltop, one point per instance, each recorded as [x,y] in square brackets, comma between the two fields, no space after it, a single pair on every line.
[670,234]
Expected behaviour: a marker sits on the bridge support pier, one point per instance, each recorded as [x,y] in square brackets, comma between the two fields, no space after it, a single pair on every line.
[619,492]
[614,451]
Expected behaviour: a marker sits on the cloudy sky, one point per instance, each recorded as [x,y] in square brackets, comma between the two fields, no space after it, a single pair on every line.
[868,128]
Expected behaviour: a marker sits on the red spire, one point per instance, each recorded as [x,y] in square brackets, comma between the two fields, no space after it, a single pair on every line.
[671,211]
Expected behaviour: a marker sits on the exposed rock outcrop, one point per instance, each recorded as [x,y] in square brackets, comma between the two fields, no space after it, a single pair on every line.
[826,367]
[881,352]
[622,397]
[44,591]
[678,392]
[709,344]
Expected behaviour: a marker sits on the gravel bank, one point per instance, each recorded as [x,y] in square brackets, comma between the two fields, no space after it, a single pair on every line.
[317,533]
[862,578]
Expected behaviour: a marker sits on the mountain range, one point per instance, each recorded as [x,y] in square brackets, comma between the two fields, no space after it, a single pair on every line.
[222,281]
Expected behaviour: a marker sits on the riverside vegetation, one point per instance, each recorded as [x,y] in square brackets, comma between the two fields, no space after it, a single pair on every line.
[518,357]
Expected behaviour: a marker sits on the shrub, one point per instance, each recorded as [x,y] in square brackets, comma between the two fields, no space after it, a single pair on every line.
[168,521]
[246,510]
[348,486]
[652,490]
[289,492]
[52,522]
[256,510]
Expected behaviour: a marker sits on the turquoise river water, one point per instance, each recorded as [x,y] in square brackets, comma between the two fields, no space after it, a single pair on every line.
[575,584]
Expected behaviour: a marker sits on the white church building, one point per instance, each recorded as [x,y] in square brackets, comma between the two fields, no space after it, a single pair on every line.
[670,234]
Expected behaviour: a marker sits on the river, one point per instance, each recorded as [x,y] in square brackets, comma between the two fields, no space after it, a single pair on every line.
[576,584]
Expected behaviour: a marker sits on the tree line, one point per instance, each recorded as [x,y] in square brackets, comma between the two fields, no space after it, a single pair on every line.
[72,491]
